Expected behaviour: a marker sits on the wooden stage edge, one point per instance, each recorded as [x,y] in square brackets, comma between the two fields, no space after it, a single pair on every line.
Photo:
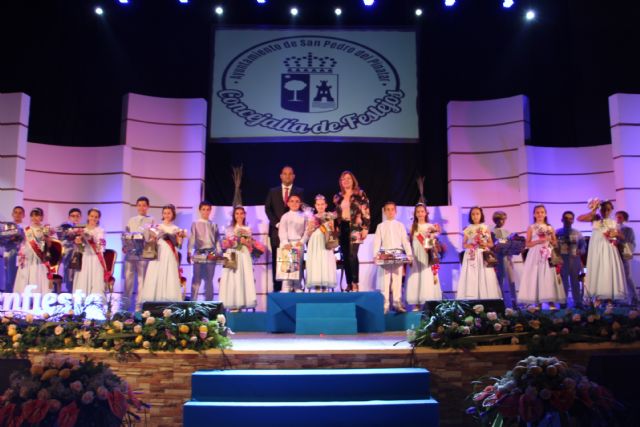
[164,379]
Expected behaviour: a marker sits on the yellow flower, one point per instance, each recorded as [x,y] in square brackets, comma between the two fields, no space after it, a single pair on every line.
[16,337]
[183,343]
[48,374]
[11,331]
[184,329]
[110,331]
[64,373]
[68,341]
[203,328]
[139,339]
[153,332]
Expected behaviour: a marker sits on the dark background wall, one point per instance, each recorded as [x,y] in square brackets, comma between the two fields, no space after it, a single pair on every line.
[76,66]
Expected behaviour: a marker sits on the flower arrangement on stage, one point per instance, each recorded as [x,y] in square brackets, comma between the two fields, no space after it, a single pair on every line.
[123,333]
[455,324]
[66,392]
[541,391]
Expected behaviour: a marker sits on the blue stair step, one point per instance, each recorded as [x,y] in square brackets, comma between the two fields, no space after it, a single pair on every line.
[326,318]
[247,321]
[299,385]
[373,413]
[402,321]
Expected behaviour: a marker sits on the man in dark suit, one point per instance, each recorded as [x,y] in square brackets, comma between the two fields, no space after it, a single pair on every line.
[275,206]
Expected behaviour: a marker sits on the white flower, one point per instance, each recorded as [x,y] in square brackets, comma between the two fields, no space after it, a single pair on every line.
[478,308]
[146,314]
[497,327]
[466,330]
[166,312]
[58,330]
[509,312]
[137,329]
[221,319]
[150,320]
[492,315]
[146,344]
[411,335]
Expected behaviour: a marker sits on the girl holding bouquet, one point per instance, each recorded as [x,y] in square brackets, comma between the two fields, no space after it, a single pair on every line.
[33,268]
[91,277]
[237,285]
[321,261]
[163,282]
[477,281]
[539,279]
[605,272]
[423,284]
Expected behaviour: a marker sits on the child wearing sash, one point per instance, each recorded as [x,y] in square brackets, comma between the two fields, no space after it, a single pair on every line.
[291,232]
[11,250]
[32,269]
[91,277]
[321,261]
[162,279]
[422,285]
[204,240]
[237,285]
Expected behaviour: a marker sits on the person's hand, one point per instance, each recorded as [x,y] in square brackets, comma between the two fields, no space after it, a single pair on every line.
[363,234]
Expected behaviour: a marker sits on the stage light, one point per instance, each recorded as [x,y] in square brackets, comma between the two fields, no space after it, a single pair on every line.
[293,11]
[530,15]
[261,1]
[418,12]
[124,1]
[184,1]
[368,2]
[99,11]
[449,3]
[338,11]
[219,10]
[507,3]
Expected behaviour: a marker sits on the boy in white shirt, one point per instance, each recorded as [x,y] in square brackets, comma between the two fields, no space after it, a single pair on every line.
[391,234]
[135,266]
[291,232]
[203,239]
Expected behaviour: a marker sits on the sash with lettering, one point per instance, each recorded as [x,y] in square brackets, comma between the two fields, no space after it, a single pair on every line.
[100,255]
[40,254]
[175,253]
[435,267]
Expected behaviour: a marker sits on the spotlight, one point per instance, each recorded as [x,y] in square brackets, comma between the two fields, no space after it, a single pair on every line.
[368,2]
[184,1]
[418,12]
[99,11]
[219,10]
[124,1]
[507,3]
[261,1]
[449,3]
[530,15]
[293,11]
[338,11]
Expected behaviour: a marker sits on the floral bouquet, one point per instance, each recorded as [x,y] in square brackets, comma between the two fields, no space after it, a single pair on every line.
[593,204]
[66,392]
[609,229]
[243,237]
[541,391]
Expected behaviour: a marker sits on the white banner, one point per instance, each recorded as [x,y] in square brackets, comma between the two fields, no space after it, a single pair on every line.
[276,85]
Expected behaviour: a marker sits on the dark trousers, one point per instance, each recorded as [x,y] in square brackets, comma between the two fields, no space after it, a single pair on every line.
[349,253]
[275,244]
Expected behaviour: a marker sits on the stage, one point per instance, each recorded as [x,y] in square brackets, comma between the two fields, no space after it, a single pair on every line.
[164,378]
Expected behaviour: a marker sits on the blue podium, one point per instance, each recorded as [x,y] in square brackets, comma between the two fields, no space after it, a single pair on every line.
[282,309]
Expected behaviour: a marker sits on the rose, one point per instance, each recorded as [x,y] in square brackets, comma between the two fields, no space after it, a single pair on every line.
[150,320]
[193,338]
[146,314]
[497,327]
[137,329]
[17,337]
[29,318]
[184,329]
[146,344]
[102,393]
[87,397]
[76,386]
[492,315]
[117,325]
[478,308]
[466,330]
[58,330]
[166,312]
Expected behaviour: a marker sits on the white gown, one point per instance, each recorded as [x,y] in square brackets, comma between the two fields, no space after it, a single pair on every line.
[31,271]
[538,282]
[476,280]
[238,287]
[321,262]
[605,273]
[421,286]
[90,279]
[162,280]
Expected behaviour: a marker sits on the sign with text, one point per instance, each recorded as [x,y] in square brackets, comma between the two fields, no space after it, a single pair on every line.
[322,85]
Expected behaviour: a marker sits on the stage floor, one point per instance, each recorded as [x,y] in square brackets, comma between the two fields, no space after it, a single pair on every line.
[259,342]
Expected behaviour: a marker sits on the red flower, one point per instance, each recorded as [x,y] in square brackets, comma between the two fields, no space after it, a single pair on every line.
[35,410]
[118,404]
[562,400]
[6,412]
[531,408]
[509,406]
[68,415]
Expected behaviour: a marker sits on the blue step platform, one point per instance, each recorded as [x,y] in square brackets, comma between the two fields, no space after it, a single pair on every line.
[310,398]
[402,321]
[329,319]
[281,309]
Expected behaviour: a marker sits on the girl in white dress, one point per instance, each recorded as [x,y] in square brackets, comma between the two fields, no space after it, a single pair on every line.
[539,282]
[90,279]
[31,256]
[162,280]
[605,273]
[321,262]
[237,286]
[476,280]
[422,284]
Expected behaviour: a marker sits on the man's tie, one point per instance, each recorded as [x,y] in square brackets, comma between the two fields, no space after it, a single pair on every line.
[286,195]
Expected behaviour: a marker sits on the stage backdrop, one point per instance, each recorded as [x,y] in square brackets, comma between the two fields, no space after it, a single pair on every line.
[283,84]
